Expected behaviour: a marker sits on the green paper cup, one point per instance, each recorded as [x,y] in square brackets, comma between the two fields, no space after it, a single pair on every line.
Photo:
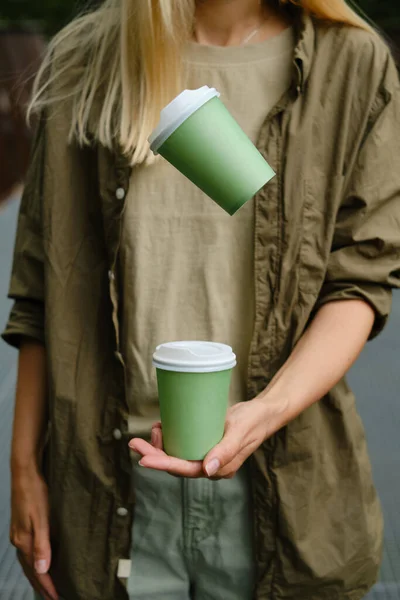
[199,137]
[193,386]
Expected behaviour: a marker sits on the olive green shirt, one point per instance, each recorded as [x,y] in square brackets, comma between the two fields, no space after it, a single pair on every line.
[327,228]
[187,267]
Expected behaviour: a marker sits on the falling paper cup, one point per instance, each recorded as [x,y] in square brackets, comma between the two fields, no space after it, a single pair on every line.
[199,136]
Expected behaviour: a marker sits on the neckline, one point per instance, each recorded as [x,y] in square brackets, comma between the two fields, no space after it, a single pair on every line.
[268,49]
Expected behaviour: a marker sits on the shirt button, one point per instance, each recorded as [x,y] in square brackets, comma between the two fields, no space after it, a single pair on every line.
[117,434]
[122,512]
[120,193]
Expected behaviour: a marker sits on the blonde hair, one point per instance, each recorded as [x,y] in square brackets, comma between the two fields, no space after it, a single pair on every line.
[121,64]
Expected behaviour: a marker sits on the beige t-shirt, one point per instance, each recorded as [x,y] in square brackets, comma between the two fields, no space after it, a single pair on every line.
[186,266]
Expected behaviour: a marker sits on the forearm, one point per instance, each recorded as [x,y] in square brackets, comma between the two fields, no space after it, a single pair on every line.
[30,417]
[324,354]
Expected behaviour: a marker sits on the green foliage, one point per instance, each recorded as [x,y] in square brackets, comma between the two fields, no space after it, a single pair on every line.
[50,15]
[386,13]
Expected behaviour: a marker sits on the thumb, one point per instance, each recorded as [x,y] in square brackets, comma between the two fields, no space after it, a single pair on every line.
[41,550]
[222,454]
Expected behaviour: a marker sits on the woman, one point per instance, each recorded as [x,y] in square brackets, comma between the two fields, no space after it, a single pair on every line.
[116,252]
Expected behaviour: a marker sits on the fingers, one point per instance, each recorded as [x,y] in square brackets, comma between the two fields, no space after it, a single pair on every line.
[42,584]
[222,462]
[47,587]
[28,572]
[215,466]
[224,453]
[22,540]
[153,457]
[32,541]
[144,448]
[157,437]
[41,548]
[172,465]
[229,471]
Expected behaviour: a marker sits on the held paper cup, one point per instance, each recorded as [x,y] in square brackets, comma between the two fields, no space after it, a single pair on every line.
[199,137]
[193,386]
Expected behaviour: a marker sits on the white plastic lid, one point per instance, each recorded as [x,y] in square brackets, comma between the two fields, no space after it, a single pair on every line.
[194,357]
[177,111]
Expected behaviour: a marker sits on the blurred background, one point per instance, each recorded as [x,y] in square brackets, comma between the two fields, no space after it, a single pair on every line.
[25,27]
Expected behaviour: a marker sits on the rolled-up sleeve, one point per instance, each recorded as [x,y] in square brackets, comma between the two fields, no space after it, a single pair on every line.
[365,259]
[27,276]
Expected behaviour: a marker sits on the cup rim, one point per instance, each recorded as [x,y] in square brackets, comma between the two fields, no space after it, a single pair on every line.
[162,132]
[195,356]
[193,369]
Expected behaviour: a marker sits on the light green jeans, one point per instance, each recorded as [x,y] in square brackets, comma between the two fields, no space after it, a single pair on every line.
[192,538]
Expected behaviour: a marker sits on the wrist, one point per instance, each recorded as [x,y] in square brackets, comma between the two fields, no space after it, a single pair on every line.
[22,465]
[276,409]
[275,398]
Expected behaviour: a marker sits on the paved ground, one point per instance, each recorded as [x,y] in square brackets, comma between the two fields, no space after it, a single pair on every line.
[375,378]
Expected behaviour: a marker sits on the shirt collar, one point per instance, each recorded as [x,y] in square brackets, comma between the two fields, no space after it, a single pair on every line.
[304,49]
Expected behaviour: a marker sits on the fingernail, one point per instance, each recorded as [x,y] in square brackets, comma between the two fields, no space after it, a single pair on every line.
[140,464]
[212,467]
[41,567]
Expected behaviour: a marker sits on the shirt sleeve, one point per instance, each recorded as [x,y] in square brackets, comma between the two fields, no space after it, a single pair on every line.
[365,257]
[27,276]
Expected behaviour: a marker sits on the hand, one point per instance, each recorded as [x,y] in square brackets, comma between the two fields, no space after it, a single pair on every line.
[247,426]
[29,531]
